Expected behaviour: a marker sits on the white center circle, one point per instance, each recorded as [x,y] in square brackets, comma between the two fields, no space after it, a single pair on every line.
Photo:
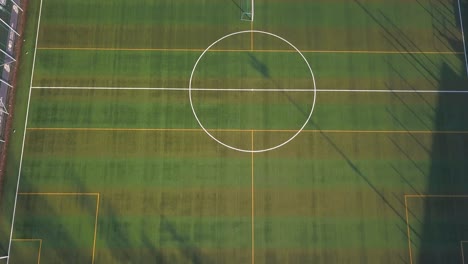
[247,150]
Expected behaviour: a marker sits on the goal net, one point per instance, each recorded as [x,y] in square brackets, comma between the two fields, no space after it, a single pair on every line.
[247,10]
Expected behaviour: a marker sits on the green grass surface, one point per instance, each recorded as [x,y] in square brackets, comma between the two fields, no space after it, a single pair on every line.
[135,167]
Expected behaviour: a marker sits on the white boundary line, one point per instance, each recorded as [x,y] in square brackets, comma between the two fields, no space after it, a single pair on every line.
[463,36]
[25,130]
[248,90]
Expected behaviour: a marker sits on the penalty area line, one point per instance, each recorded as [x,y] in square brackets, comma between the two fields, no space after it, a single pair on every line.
[98,199]
[248,89]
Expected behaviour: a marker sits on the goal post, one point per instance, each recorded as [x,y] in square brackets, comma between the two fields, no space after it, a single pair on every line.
[247,10]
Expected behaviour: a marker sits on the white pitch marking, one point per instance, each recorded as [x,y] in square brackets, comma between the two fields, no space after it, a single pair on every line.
[246,90]
[5,257]
[25,130]
[244,150]
[463,36]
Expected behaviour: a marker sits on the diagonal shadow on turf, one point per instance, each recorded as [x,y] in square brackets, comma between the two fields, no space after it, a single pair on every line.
[59,244]
[441,236]
[237,5]
[188,250]
[358,172]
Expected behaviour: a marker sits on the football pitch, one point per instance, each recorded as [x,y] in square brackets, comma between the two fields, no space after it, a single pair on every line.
[173,131]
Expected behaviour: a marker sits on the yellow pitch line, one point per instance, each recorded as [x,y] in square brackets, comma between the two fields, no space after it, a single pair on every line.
[247,130]
[95,226]
[380,52]
[57,194]
[253,200]
[32,240]
[408,230]
[251,36]
[126,49]
[388,131]
[134,129]
[26,239]
[118,129]
[76,194]
[428,196]
[436,196]
[251,49]
[40,250]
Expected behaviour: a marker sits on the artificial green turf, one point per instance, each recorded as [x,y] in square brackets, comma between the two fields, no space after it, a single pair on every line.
[172,69]
[149,23]
[25,252]
[171,194]
[362,25]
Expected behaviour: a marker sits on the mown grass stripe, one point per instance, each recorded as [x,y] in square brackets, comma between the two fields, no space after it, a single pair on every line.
[253,50]
[247,130]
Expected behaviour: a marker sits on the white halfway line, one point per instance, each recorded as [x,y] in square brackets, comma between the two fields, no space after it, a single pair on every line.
[249,90]
[4,257]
